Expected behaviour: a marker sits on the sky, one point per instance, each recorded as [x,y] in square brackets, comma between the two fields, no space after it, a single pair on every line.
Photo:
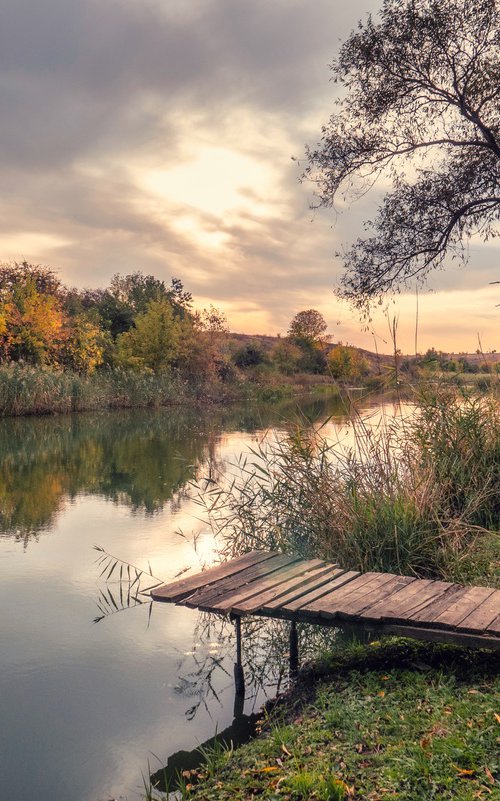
[163,136]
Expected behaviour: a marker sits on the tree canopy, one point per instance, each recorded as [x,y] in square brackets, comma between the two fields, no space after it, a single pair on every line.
[419,108]
[308,326]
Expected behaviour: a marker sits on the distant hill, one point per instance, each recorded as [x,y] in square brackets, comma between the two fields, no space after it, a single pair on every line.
[268,342]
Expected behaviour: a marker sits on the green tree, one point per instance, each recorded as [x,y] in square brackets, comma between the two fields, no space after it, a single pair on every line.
[308,326]
[136,291]
[153,342]
[419,107]
[15,274]
[250,355]
[308,331]
[286,356]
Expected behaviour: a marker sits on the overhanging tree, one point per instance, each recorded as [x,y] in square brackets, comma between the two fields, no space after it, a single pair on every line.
[420,107]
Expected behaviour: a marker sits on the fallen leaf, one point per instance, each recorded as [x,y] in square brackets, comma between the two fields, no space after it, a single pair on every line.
[464,772]
[489,775]
[497,717]
[285,750]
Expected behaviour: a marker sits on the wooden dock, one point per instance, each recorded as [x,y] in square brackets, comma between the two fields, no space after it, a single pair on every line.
[313,591]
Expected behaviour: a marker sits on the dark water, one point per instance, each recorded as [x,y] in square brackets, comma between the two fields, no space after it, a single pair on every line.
[84,706]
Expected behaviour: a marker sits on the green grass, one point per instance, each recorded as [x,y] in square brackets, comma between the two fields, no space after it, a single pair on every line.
[393,720]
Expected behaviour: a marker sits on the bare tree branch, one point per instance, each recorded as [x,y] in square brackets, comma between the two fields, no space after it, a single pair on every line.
[421,99]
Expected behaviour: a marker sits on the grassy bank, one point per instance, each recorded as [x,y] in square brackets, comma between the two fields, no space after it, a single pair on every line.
[392,720]
[28,390]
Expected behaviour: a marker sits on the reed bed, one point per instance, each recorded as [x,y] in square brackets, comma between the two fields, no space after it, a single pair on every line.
[45,390]
[417,495]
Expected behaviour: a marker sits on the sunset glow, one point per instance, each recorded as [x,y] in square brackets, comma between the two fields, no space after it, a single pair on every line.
[164,143]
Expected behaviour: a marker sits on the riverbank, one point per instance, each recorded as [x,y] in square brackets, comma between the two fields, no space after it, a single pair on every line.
[390,719]
[28,390]
[387,720]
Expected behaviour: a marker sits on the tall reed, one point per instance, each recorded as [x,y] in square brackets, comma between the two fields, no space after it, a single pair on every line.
[417,495]
[25,389]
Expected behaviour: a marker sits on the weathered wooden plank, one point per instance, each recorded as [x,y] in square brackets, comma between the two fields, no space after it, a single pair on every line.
[443,635]
[269,583]
[294,586]
[462,606]
[410,599]
[315,584]
[329,605]
[266,575]
[182,587]
[483,615]
[306,601]
[354,605]
[429,613]
[226,603]
[236,582]
[494,627]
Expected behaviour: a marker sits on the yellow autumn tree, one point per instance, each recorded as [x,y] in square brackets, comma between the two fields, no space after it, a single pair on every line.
[33,324]
[84,345]
[345,361]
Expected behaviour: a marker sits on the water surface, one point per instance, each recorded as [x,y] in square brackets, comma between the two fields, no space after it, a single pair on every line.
[85,705]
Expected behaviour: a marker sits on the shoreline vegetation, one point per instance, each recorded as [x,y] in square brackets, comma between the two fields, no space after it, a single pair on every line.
[373,720]
[34,390]
[139,343]
[390,719]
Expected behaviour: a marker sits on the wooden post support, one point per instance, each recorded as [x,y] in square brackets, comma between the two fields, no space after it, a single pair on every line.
[294,650]
[239,676]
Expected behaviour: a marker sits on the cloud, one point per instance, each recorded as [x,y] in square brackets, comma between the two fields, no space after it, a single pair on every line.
[139,134]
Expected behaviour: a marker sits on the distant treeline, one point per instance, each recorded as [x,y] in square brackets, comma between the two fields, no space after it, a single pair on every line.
[434,359]
[140,323]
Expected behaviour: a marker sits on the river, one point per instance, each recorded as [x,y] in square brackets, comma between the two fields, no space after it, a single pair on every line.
[89,706]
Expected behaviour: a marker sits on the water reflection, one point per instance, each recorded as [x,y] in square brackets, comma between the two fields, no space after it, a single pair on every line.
[141,459]
[269,655]
[86,704]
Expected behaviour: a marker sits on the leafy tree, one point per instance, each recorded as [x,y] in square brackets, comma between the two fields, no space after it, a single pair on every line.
[286,356]
[33,323]
[130,295]
[250,355]
[84,346]
[346,362]
[203,353]
[308,326]
[42,278]
[420,108]
[153,342]
[308,331]
[135,291]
